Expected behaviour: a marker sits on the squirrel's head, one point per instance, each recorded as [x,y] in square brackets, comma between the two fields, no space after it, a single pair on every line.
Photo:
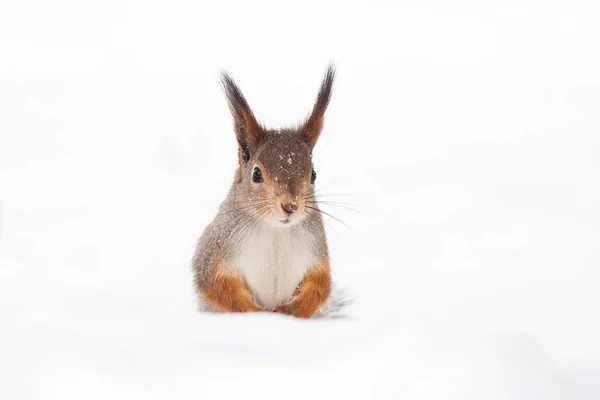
[275,178]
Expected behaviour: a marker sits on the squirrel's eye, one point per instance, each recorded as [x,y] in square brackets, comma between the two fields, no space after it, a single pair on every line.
[313,176]
[257,175]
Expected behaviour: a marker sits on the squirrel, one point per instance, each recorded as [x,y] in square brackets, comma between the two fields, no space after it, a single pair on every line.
[266,249]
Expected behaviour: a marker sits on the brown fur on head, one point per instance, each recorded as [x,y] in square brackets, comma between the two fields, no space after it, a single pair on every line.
[278,192]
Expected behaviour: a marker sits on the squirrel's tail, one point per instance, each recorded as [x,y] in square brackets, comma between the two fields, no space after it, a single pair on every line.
[337,305]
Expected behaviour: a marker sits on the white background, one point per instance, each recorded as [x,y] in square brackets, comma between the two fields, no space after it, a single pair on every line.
[466,135]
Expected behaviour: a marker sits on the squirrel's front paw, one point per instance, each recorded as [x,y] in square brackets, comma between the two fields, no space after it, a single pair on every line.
[297,308]
[287,308]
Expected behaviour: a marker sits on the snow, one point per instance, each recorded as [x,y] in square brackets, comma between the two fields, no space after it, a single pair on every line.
[465,135]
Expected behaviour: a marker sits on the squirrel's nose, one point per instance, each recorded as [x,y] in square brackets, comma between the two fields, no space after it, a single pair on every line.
[290,207]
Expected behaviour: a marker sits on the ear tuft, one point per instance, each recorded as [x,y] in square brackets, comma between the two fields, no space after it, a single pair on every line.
[247,130]
[314,124]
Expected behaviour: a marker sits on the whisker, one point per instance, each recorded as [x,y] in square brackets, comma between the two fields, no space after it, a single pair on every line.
[336,205]
[319,197]
[248,222]
[328,225]
[334,217]
[322,192]
[320,200]
[241,210]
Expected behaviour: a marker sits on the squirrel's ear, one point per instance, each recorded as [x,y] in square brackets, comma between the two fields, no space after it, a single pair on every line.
[247,130]
[314,123]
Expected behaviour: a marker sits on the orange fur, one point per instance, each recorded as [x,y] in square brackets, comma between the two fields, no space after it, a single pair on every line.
[314,124]
[227,292]
[253,129]
[315,290]
[313,128]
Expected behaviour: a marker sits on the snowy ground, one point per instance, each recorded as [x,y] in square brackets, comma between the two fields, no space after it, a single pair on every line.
[466,136]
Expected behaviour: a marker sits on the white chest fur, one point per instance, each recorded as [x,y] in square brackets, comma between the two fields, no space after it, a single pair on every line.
[273,262]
